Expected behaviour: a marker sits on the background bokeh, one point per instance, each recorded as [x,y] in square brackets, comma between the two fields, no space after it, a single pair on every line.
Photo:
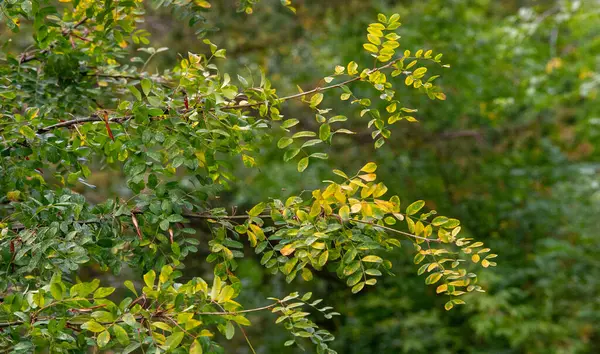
[514,153]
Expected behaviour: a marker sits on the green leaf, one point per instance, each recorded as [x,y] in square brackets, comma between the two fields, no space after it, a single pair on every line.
[135,92]
[146,86]
[103,292]
[129,285]
[290,154]
[121,334]
[229,330]
[84,289]
[324,132]
[319,155]
[103,316]
[304,134]
[302,164]
[27,132]
[284,142]
[289,123]
[415,207]
[93,326]
[129,319]
[358,287]
[56,290]
[174,340]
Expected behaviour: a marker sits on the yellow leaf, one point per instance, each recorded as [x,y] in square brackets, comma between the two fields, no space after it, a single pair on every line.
[356,207]
[373,39]
[352,68]
[315,209]
[369,168]
[203,3]
[370,47]
[441,288]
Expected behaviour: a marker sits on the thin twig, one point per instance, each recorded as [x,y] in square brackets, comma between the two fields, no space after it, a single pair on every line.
[315,90]
[396,231]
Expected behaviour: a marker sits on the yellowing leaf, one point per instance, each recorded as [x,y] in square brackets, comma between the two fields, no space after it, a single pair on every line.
[372,259]
[303,164]
[415,207]
[287,250]
[149,278]
[316,99]
[368,177]
[352,68]
[344,212]
[433,278]
[370,47]
[258,208]
[373,39]
[103,339]
[323,258]
[369,167]
[448,306]
[196,348]
[441,288]
[358,287]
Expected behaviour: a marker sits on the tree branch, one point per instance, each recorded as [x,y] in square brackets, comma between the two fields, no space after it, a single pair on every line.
[26,58]
[316,89]
[396,231]
[95,118]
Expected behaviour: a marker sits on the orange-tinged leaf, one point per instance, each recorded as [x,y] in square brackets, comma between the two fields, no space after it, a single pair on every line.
[287,250]
[368,177]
